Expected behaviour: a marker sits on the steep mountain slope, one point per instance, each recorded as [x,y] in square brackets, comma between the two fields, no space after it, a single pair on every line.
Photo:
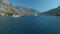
[27,11]
[7,9]
[53,12]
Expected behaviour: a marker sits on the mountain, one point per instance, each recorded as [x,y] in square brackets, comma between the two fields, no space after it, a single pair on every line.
[53,12]
[7,9]
[27,11]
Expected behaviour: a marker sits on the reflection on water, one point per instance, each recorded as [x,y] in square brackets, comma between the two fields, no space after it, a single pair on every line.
[30,25]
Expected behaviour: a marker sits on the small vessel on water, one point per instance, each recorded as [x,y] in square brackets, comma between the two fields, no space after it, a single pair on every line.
[15,15]
[35,14]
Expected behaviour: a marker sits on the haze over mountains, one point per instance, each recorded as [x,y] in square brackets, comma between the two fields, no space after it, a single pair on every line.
[7,9]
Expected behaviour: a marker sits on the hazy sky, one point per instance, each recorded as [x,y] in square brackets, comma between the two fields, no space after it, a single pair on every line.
[40,5]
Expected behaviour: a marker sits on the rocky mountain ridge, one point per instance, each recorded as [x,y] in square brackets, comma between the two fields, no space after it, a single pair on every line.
[7,9]
[53,12]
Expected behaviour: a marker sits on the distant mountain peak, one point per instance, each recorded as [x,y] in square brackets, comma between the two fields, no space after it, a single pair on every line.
[58,7]
[53,12]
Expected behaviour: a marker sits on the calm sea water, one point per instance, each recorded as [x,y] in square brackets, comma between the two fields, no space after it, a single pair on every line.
[30,25]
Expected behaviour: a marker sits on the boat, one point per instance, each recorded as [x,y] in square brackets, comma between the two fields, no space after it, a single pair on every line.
[15,15]
[35,14]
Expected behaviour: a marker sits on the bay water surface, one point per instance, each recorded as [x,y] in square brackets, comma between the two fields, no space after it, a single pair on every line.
[30,25]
